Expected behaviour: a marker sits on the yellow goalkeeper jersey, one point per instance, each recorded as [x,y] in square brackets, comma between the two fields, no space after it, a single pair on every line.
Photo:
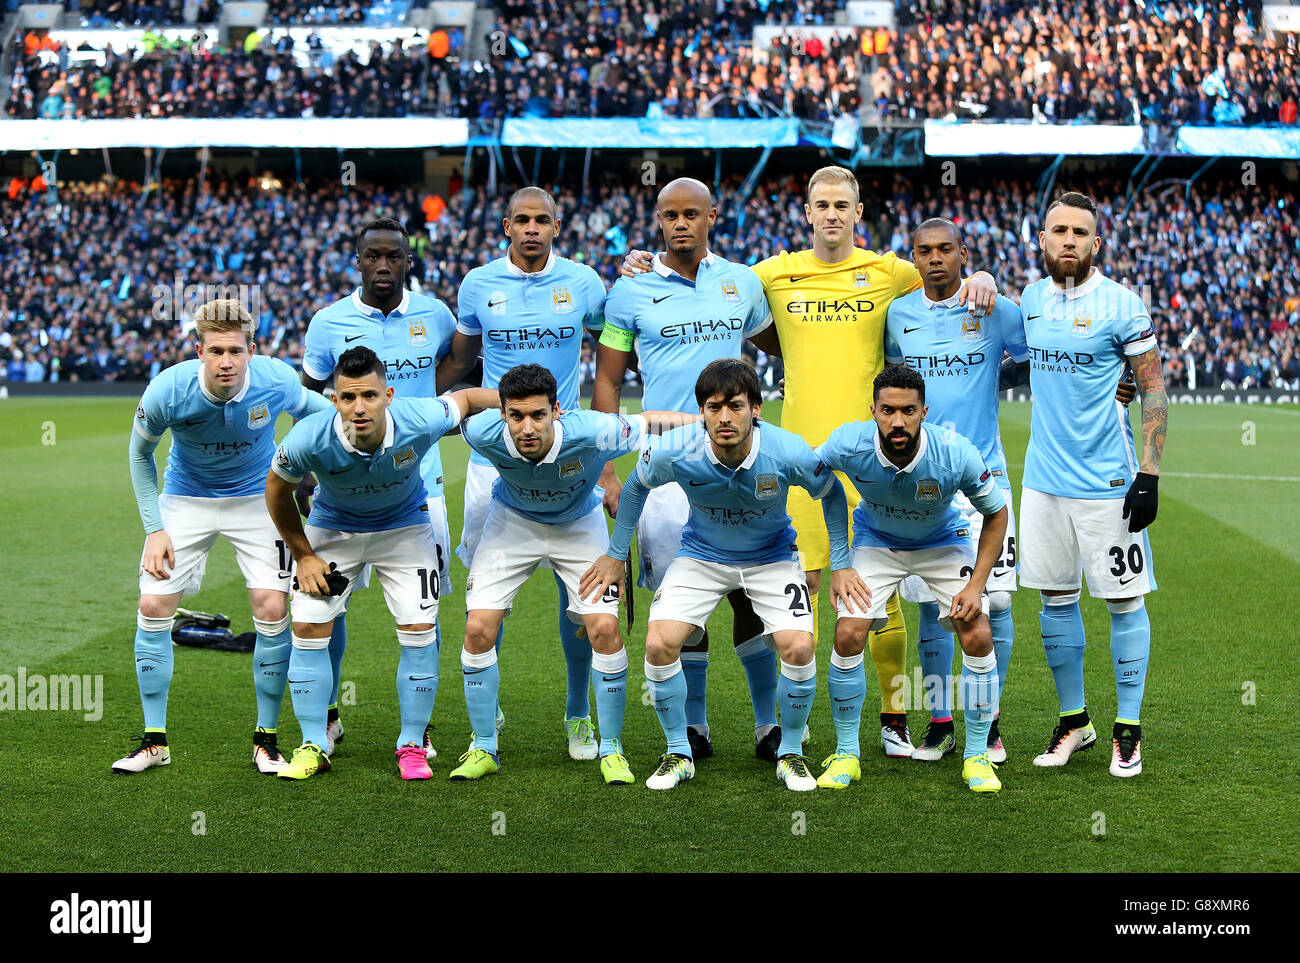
[831,321]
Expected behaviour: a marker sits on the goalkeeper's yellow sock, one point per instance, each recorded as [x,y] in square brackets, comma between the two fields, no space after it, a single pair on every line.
[816,605]
[889,653]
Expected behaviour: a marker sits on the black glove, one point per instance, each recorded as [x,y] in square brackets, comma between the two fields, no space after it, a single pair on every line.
[337,581]
[1141,501]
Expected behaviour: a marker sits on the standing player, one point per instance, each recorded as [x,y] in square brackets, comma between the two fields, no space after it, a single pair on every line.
[959,354]
[1088,496]
[829,306]
[545,507]
[691,308]
[409,332]
[736,476]
[221,410]
[371,510]
[906,523]
[528,305]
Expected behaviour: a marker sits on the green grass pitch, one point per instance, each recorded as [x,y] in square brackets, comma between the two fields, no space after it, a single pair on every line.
[1217,793]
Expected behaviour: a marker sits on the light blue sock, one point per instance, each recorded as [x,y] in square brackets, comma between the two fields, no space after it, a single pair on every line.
[1063,644]
[761,669]
[577,660]
[153,668]
[609,679]
[1004,635]
[417,683]
[695,667]
[667,686]
[847,684]
[980,687]
[1130,650]
[795,690]
[308,679]
[270,662]
[482,687]
[934,647]
[338,643]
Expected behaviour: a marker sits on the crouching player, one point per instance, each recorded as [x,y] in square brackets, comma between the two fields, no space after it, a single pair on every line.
[906,524]
[736,477]
[370,509]
[221,410]
[546,507]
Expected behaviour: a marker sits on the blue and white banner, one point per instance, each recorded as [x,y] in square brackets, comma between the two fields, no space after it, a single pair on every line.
[1282,142]
[175,132]
[944,138]
[641,132]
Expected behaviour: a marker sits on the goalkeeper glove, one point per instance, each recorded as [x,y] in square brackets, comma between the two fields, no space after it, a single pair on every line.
[1141,501]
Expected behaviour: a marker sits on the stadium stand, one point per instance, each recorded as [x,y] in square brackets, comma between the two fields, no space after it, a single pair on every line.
[1220,271]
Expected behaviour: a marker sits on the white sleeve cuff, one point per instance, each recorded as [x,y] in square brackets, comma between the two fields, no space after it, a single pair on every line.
[471,332]
[450,402]
[287,476]
[1134,348]
[144,434]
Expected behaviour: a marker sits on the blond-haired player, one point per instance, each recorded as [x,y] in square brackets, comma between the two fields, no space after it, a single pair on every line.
[829,305]
[221,409]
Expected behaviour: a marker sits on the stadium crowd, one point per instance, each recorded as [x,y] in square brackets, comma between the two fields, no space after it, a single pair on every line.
[1220,272]
[1114,61]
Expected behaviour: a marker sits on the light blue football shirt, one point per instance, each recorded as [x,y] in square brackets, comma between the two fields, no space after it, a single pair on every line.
[409,341]
[1080,439]
[360,492]
[958,353]
[911,507]
[737,517]
[220,449]
[677,326]
[561,486]
[535,318]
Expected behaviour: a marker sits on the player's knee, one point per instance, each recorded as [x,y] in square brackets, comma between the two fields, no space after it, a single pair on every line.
[798,648]
[977,640]
[658,651]
[1124,606]
[480,631]
[270,627]
[851,636]
[999,601]
[158,606]
[268,605]
[602,632]
[416,636]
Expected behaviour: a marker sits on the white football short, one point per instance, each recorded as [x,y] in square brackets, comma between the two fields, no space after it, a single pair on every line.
[1003,576]
[944,570]
[405,559]
[691,590]
[193,524]
[1063,538]
[512,547]
[659,532]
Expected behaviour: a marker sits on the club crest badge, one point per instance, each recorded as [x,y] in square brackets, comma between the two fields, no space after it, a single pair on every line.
[419,334]
[561,300]
[970,328]
[570,467]
[766,486]
[730,292]
[404,458]
[860,279]
[259,415]
[1081,327]
[927,490]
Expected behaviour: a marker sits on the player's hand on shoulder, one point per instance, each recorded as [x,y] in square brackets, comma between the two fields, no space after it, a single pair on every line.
[303,492]
[636,262]
[1125,392]
[847,585]
[158,553]
[979,294]
[604,572]
[966,604]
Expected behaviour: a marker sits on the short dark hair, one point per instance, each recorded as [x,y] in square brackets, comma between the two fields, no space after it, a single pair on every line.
[526,381]
[1074,199]
[534,192]
[358,362]
[728,377]
[939,222]
[382,224]
[898,376]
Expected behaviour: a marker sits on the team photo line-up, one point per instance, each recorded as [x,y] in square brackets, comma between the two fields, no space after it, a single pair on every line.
[888,468]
